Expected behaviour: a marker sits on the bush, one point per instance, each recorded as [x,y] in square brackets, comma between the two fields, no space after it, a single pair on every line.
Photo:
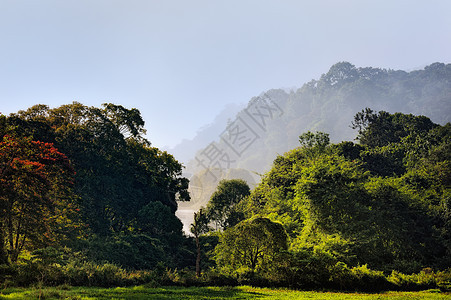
[444,280]
[304,269]
[215,278]
[308,269]
[7,273]
[91,274]
[358,279]
[187,277]
[52,267]
[426,279]
[43,266]
[368,280]
[130,251]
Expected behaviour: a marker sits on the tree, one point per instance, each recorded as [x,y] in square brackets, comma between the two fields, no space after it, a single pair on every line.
[385,204]
[382,128]
[157,220]
[118,172]
[128,121]
[314,141]
[252,244]
[221,207]
[198,227]
[340,73]
[124,187]
[363,119]
[35,194]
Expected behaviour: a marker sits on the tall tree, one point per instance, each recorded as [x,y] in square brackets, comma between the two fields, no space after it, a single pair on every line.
[384,205]
[118,172]
[221,207]
[252,244]
[382,128]
[35,194]
[198,227]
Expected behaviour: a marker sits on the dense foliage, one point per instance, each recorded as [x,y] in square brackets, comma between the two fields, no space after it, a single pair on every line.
[86,200]
[36,201]
[88,168]
[348,209]
[384,202]
[326,104]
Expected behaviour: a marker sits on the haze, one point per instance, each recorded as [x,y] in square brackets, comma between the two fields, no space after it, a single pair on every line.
[181,62]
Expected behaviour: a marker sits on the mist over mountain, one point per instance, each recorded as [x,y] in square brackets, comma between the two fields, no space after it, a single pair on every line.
[329,104]
[187,148]
[272,122]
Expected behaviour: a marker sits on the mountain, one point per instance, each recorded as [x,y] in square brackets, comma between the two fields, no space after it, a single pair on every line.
[187,148]
[272,122]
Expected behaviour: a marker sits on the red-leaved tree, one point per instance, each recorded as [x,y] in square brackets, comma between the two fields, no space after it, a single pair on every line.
[36,199]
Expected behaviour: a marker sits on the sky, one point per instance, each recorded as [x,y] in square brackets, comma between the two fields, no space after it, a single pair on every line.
[180,62]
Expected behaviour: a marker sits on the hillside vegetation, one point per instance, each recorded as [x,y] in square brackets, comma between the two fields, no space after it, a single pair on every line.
[342,209]
[86,200]
[271,123]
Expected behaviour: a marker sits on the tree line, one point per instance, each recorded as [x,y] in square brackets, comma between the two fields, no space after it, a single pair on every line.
[327,213]
[85,199]
[87,178]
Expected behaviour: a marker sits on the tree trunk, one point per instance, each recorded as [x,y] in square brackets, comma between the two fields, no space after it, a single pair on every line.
[3,254]
[198,256]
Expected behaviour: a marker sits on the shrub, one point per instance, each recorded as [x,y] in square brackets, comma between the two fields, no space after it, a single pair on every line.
[88,273]
[137,251]
[215,278]
[364,279]
[305,269]
[7,273]
[444,280]
[426,279]
[187,277]
[41,266]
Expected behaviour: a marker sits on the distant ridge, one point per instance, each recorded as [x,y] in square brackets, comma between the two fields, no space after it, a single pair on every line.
[272,122]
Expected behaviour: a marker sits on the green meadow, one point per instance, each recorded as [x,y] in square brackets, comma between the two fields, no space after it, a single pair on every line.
[242,292]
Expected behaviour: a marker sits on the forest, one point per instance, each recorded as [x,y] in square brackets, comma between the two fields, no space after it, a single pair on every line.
[327,104]
[85,200]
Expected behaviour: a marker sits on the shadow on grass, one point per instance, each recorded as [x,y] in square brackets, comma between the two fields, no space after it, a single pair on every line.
[138,292]
[244,292]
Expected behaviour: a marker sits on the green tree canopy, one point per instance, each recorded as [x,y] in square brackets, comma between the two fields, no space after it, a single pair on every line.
[122,185]
[251,245]
[221,207]
[198,227]
[318,141]
[118,172]
[383,203]
[380,129]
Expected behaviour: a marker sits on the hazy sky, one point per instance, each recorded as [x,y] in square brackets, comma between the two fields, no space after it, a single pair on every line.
[180,62]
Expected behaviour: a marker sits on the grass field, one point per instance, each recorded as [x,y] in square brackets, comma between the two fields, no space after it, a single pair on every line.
[243,292]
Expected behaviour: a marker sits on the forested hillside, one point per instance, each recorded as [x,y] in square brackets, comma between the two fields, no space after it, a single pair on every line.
[86,200]
[325,210]
[271,122]
[85,178]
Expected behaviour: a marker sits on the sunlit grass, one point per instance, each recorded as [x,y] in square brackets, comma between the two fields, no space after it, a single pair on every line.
[243,292]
